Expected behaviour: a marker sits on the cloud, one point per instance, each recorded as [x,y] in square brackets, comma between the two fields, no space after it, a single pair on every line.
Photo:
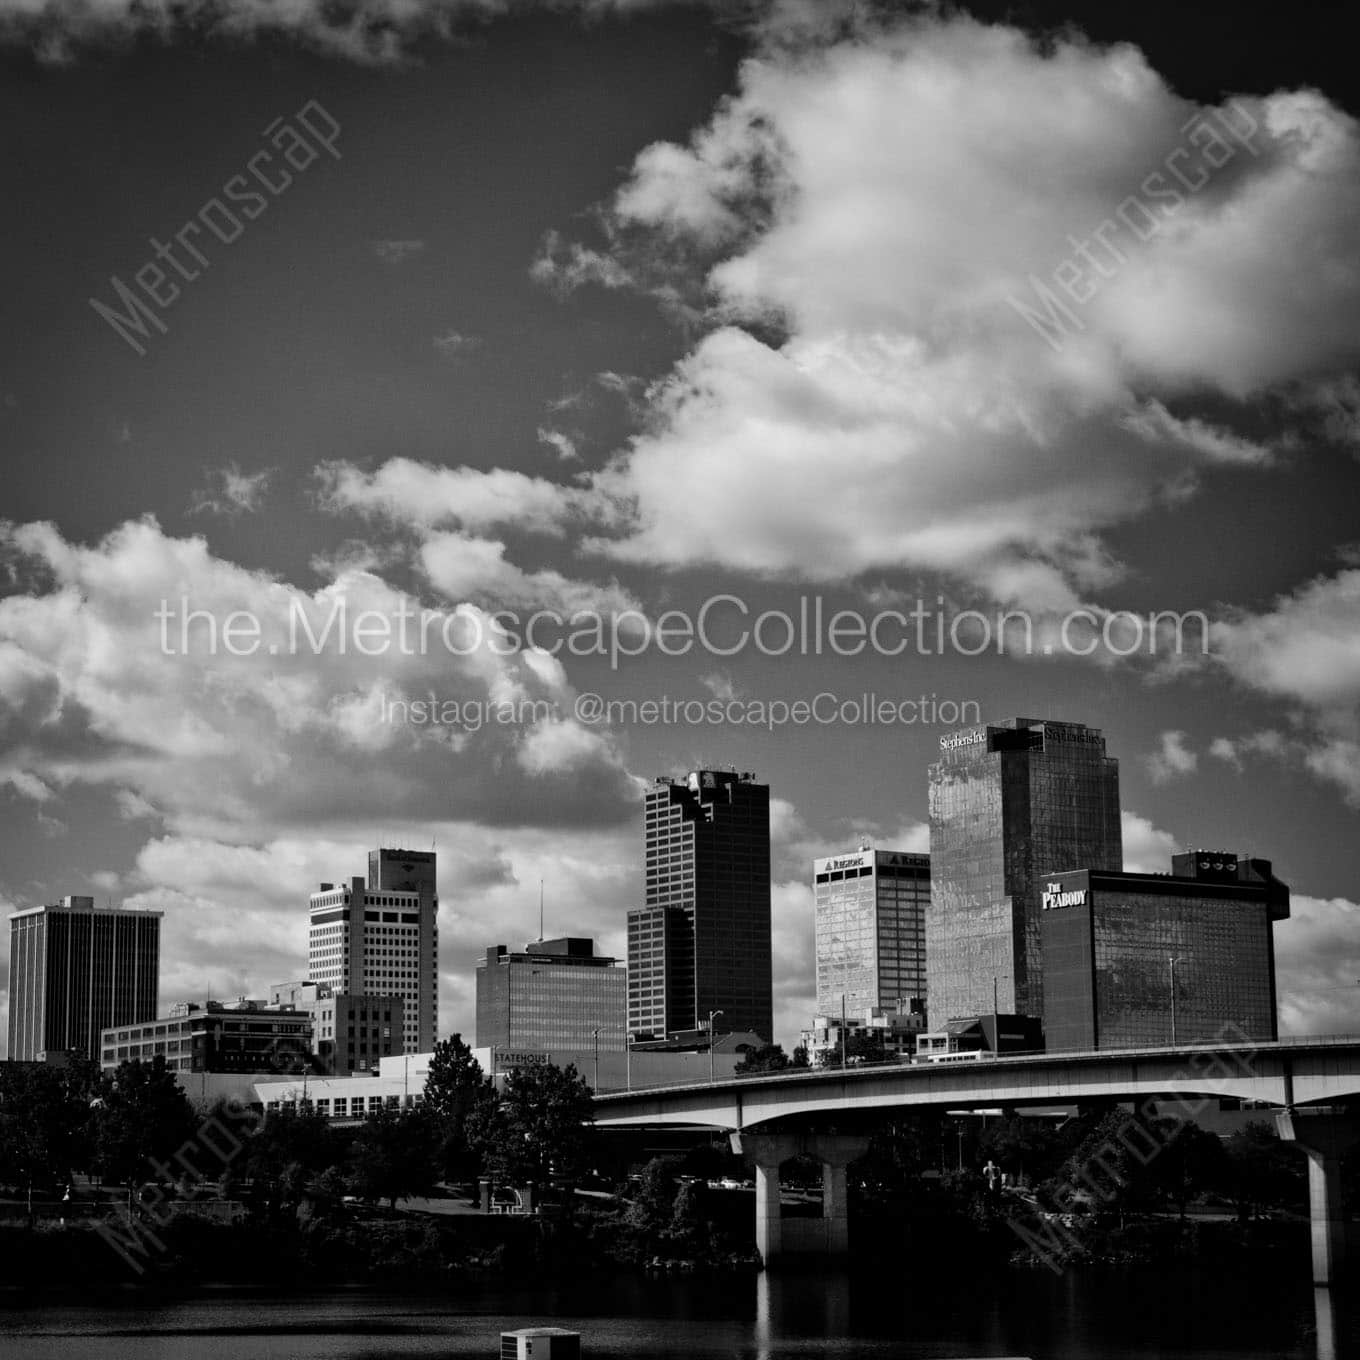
[1174,761]
[380,31]
[455,345]
[231,492]
[397,252]
[564,445]
[1147,848]
[1233,749]
[1153,422]
[295,726]
[856,224]
[464,568]
[1317,961]
[1305,649]
[404,492]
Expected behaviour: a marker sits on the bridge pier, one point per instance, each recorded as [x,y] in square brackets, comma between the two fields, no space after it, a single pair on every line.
[828,1235]
[1323,1135]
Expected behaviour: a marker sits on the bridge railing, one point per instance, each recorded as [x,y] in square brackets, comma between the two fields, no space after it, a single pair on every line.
[910,1063]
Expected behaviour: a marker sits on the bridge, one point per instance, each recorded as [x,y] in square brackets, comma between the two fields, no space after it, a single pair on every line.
[1311,1085]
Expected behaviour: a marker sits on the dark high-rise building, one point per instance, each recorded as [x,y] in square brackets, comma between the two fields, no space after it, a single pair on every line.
[74,970]
[1009,802]
[558,995]
[379,937]
[870,930]
[701,942]
[1139,960]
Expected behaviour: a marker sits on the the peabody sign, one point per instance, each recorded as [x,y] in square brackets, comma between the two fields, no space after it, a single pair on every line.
[1054,895]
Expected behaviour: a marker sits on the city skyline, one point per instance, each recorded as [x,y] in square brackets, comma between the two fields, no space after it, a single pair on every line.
[741,311]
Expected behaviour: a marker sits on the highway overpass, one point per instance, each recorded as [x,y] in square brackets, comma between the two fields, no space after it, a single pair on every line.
[827,1113]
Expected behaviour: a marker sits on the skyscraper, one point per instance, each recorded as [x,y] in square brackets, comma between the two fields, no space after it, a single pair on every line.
[701,942]
[870,929]
[1009,802]
[74,970]
[380,938]
[557,995]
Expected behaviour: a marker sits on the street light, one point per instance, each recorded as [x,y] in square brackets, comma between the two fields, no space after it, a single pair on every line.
[596,1033]
[712,1062]
[1171,966]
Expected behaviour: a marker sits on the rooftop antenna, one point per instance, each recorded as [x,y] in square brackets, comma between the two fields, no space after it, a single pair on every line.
[540,911]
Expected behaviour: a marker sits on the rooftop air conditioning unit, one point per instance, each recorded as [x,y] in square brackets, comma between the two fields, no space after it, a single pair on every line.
[541,1343]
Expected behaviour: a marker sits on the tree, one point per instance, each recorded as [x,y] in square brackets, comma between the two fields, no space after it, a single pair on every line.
[652,1206]
[865,1046]
[1263,1170]
[456,1093]
[286,1153]
[145,1118]
[758,1062]
[393,1155]
[541,1128]
[44,1114]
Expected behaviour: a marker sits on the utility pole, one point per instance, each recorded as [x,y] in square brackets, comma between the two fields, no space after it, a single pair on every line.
[1171,965]
[712,1061]
[842,1031]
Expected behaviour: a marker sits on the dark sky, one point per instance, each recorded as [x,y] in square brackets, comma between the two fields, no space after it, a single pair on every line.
[381,316]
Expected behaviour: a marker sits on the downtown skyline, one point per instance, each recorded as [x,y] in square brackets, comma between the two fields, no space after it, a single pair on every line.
[574,318]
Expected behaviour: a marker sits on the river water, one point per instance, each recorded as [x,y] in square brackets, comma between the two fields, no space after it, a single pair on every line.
[894,1310]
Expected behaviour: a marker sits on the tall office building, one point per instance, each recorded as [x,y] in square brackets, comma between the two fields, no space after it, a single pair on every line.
[1009,802]
[701,942]
[1138,960]
[74,970]
[379,937]
[557,995]
[870,930]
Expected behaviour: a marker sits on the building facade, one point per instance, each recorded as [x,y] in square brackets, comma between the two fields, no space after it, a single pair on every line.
[870,910]
[349,1033]
[1009,802]
[379,937]
[74,969]
[216,1037]
[701,941]
[1140,960]
[556,994]
[891,1033]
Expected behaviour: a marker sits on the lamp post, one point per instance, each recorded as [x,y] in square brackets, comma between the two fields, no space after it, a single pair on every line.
[712,1063]
[842,1031]
[1171,968]
[596,1088]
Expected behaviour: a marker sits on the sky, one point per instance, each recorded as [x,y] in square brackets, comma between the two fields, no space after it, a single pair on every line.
[660,314]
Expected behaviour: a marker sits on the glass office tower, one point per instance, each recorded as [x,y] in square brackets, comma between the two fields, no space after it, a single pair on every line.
[1009,802]
[870,929]
[74,970]
[1143,960]
[555,995]
[701,941]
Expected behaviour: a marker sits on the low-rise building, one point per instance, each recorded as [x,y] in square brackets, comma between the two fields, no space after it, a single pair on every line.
[216,1048]
[889,1033]
[352,1033]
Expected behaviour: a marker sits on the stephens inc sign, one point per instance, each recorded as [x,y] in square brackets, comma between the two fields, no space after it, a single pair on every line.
[1055,895]
[958,740]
